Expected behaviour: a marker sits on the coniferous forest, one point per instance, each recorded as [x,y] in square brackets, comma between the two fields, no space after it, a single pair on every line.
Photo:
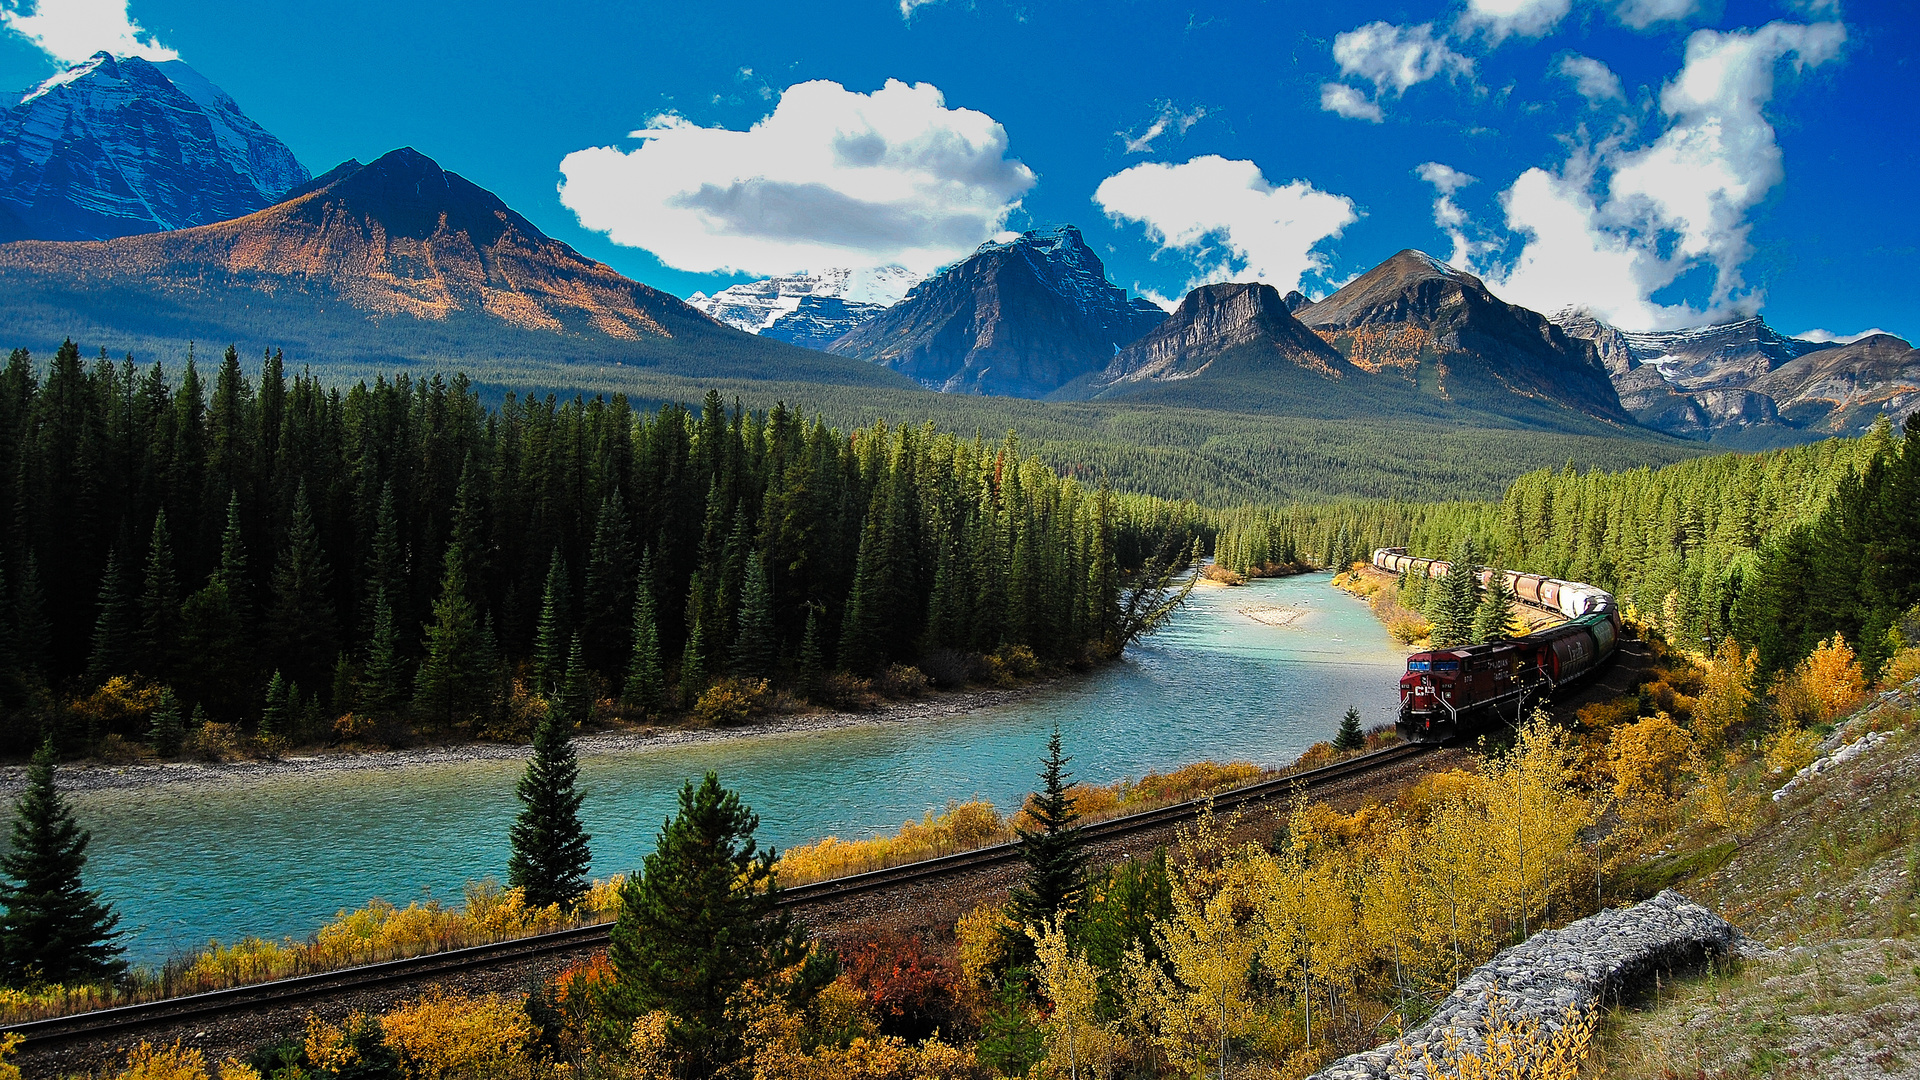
[294,560]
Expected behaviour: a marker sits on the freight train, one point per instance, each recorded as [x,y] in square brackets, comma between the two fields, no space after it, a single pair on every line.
[1449,692]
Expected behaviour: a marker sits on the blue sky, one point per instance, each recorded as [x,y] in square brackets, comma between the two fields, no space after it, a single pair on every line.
[1664,161]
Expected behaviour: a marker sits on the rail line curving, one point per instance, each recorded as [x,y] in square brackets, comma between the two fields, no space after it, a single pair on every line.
[126,1019]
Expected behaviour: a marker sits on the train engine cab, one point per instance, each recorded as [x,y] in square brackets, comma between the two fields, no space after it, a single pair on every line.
[1445,686]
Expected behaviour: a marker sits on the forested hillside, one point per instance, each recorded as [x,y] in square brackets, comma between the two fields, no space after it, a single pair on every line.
[401,551]
[1780,549]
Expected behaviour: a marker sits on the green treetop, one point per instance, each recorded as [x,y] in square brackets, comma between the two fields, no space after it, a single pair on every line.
[54,930]
[550,854]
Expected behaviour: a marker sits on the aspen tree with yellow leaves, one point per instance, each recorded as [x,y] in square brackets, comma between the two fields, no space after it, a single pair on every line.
[1079,1041]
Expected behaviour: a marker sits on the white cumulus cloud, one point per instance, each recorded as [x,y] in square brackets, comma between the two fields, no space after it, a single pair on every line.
[1228,219]
[1641,14]
[1447,214]
[1349,102]
[1394,59]
[1617,224]
[1170,119]
[1528,18]
[1592,79]
[72,30]
[831,178]
[1824,336]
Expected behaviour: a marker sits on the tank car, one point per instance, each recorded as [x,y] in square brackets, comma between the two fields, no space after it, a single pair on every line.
[1449,692]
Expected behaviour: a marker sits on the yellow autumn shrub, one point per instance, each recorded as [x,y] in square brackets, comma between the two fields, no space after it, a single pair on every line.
[1826,684]
[962,826]
[1514,1048]
[149,1062]
[980,942]
[446,1036]
[1647,757]
[1727,694]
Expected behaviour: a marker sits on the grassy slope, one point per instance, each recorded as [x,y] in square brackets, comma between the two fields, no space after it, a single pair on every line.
[1829,881]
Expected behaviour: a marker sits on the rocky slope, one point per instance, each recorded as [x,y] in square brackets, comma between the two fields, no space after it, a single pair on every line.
[1020,318]
[396,261]
[1748,385]
[1223,332]
[115,147]
[1439,331]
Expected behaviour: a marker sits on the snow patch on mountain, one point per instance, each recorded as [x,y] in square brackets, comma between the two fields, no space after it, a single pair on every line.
[754,306]
[118,146]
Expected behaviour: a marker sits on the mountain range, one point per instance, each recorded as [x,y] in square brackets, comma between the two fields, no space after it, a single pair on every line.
[161,214]
[113,147]
[1746,385]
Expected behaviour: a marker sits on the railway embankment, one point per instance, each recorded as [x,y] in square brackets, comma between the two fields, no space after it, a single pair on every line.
[1554,978]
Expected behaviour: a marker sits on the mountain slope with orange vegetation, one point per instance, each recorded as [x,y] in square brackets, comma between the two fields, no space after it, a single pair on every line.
[398,261]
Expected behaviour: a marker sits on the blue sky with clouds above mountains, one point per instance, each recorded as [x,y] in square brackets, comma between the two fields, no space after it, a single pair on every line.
[1664,162]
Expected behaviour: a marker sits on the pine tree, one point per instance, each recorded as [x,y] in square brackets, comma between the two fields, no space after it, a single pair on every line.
[283,704]
[1459,601]
[610,573]
[115,627]
[812,665]
[1493,619]
[699,922]
[54,929]
[449,688]
[386,570]
[216,632]
[300,626]
[693,663]
[383,691]
[550,853]
[32,630]
[159,605]
[753,641]
[550,637]
[574,702]
[1349,736]
[1054,854]
[168,730]
[645,685]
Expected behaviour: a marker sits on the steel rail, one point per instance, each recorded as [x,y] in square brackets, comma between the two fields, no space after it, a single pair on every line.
[119,1019]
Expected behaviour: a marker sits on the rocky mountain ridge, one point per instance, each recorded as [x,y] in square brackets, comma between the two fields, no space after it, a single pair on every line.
[1745,384]
[120,146]
[1019,318]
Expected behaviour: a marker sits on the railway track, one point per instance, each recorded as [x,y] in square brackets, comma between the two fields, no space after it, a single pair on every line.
[125,1019]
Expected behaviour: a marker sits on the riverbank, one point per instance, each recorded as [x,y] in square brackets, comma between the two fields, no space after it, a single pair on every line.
[937,705]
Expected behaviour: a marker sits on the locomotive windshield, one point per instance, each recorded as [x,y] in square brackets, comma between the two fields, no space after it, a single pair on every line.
[1446,665]
[1416,665]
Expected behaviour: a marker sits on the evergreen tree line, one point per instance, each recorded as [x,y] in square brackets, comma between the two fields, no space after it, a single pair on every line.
[1779,549]
[275,550]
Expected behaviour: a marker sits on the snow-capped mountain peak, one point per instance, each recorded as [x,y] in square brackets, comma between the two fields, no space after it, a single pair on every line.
[118,145]
[754,306]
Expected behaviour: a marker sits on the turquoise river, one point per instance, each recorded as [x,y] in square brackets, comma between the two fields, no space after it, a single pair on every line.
[277,858]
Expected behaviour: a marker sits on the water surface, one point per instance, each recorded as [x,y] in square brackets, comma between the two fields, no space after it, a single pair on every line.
[277,858]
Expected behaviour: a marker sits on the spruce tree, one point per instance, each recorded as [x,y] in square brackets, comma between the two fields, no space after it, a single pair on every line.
[448,689]
[115,627]
[54,930]
[1350,736]
[610,573]
[1054,854]
[574,702]
[645,684]
[550,853]
[812,665]
[159,606]
[753,643]
[693,663]
[384,687]
[300,625]
[550,636]
[698,923]
[1493,619]
[283,705]
[168,730]
[32,630]
[1459,601]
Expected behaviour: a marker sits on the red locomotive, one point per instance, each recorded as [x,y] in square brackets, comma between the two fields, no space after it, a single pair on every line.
[1446,690]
